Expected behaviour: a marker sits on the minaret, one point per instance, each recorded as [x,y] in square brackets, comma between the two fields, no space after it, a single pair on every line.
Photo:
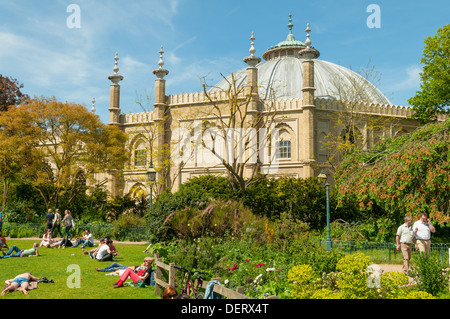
[159,151]
[308,54]
[114,99]
[253,119]
[251,88]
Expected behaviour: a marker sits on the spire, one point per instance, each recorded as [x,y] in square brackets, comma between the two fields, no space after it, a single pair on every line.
[309,52]
[93,105]
[308,41]
[252,60]
[160,72]
[115,78]
[290,36]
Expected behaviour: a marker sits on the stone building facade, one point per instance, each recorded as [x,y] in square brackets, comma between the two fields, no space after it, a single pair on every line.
[291,104]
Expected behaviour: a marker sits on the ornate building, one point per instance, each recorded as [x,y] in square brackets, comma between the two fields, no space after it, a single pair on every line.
[294,110]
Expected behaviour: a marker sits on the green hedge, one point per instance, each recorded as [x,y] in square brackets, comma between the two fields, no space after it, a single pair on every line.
[27,230]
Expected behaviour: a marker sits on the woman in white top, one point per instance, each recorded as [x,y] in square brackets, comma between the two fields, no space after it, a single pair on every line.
[46,239]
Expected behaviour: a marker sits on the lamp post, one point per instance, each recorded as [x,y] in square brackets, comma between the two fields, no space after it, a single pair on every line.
[151,177]
[328,242]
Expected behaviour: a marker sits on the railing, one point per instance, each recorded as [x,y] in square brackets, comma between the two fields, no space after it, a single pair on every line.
[167,272]
[385,251]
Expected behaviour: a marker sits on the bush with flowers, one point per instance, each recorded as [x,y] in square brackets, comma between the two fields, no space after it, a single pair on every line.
[352,280]
[258,279]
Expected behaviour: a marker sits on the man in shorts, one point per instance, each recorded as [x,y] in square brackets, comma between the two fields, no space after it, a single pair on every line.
[20,282]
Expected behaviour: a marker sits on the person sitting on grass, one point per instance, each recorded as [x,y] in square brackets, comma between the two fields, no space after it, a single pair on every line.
[20,282]
[46,239]
[15,251]
[144,274]
[3,243]
[104,252]
[87,240]
[93,252]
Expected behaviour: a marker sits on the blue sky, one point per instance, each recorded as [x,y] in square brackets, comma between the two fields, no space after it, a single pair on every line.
[201,38]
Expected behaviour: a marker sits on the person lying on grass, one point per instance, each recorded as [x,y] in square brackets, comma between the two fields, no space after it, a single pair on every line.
[143,274]
[15,251]
[118,269]
[20,282]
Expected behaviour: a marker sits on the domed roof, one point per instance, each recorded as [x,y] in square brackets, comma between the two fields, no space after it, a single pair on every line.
[282,76]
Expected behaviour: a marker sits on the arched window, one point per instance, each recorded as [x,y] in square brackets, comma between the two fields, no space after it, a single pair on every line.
[283,146]
[140,154]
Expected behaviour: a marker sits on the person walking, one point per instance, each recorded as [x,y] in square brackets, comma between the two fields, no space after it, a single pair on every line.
[56,223]
[68,222]
[50,217]
[404,239]
[422,231]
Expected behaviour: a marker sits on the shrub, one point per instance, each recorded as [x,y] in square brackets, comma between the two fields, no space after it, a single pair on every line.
[300,278]
[353,275]
[430,274]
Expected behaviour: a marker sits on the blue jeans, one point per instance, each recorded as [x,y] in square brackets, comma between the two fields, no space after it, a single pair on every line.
[84,242]
[10,253]
[67,232]
[59,230]
[113,267]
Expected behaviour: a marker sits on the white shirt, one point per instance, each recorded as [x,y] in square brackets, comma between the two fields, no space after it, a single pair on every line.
[102,252]
[89,237]
[423,230]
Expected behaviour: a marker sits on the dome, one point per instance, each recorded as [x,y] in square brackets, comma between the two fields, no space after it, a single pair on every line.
[282,75]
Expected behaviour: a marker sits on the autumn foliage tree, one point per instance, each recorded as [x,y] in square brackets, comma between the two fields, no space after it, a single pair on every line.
[61,146]
[407,175]
[10,93]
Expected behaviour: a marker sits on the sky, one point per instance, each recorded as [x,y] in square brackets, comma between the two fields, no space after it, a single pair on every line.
[66,49]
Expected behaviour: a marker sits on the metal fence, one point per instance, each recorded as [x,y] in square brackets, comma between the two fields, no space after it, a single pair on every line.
[385,252]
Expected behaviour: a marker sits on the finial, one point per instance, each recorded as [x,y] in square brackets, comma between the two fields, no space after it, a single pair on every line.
[115,78]
[160,72]
[116,68]
[252,60]
[161,62]
[93,105]
[290,25]
[308,41]
[252,47]
[309,52]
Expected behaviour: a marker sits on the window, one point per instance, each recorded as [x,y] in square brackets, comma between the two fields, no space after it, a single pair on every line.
[140,158]
[283,149]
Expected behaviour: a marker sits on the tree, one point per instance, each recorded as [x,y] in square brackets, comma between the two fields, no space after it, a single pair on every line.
[355,127]
[434,95]
[407,175]
[10,93]
[67,146]
[236,131]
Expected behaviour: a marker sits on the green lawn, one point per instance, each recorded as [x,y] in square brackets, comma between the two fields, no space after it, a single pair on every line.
[58,264]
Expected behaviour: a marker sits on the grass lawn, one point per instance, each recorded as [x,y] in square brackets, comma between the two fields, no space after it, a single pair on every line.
[58,264]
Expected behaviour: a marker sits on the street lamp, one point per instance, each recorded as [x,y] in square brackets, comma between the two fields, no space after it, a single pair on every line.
[328,242]
[151,178]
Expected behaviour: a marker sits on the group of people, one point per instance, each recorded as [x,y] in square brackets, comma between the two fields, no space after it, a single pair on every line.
[54,221]
[418,234]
